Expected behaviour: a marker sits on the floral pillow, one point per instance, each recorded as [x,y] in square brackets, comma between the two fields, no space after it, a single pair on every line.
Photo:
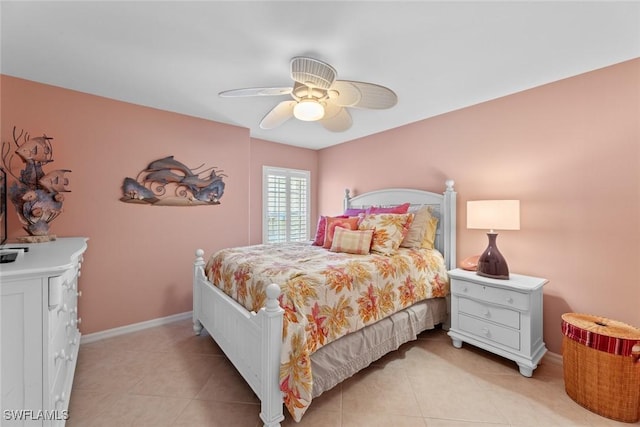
[351,241]
[389,230]
[350,223]
[321,230]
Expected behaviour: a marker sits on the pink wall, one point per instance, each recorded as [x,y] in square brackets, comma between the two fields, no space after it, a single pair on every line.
[265,153]
[570,151]
[138,263]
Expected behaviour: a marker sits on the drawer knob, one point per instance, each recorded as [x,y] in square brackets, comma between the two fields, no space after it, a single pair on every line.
[60,398]
[485,331]
[487,313]
[79,294]
[510,300]
[73,342]
[465,289]
[79,320]
[63,309]
[59,355]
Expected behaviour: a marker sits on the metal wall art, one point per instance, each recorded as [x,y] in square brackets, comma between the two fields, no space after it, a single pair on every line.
[3,206]
[36,196]
[169,182]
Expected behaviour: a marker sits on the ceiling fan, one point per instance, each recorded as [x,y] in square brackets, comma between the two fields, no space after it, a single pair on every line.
[318,96]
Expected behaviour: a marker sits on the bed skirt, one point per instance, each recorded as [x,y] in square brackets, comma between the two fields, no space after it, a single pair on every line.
[344,357]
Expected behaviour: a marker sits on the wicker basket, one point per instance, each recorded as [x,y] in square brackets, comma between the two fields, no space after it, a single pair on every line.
[602,366]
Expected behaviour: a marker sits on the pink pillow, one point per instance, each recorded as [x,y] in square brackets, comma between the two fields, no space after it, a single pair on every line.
[400,209]
[354,211]
[350,223]
[320,230]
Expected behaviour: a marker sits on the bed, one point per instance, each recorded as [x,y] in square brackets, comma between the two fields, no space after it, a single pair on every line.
[248,325]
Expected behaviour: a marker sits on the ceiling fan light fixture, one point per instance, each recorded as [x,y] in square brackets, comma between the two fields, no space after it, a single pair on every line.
[308,110]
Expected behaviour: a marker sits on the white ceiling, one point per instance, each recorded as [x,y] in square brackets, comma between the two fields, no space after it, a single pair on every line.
[437,56]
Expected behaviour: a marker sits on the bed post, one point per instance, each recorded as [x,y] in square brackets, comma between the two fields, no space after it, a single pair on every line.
[449,227]
[198,272]
[271,410]
[347,200]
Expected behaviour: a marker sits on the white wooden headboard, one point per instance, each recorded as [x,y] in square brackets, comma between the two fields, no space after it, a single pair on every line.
[443,204]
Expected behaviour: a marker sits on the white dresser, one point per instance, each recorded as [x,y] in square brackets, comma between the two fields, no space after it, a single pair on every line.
[500,316]
[40,335]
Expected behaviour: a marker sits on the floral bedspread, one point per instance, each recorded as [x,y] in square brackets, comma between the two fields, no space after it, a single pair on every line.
[325,295]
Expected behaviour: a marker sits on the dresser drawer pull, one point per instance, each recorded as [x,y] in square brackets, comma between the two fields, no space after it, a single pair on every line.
[72,323]
[60,398]
[487,313]
[79,294]
[63,309]
[486,332]
[465,289]
[59,355]
[73,342]
[510,300]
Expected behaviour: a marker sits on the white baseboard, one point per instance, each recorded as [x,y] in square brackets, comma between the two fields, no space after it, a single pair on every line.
[110,333]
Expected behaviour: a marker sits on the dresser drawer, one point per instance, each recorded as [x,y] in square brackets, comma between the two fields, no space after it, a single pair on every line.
[492,313]
[58,345]
[505,297]
[489,331]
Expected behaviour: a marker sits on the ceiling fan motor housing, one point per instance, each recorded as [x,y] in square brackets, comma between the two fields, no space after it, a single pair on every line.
[312,72]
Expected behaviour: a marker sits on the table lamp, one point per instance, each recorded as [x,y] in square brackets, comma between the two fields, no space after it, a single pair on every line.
[493,215]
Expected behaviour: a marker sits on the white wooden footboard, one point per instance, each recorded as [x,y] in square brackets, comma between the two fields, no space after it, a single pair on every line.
[252,341]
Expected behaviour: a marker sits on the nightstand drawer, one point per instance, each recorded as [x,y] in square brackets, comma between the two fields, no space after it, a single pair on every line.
[490,331]
[503,316]
[505,297]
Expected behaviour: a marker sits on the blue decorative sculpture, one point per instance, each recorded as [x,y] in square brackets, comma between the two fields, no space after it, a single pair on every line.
[36,196]
[169,182]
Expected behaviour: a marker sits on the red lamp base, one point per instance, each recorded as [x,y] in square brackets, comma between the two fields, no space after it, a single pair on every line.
[491,263]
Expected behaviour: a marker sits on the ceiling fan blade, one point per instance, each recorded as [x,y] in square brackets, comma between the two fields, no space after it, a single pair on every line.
[344,94]
[278,115]
[336,119]
[256,91]
[312,72]
[372,96]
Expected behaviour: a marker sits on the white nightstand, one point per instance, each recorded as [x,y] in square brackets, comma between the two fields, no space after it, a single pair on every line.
[501,316]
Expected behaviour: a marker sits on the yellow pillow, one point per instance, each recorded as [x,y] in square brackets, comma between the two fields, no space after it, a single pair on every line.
[430,235]
[418,228]
[389,230]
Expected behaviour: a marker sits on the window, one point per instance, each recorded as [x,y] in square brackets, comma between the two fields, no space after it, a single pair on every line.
[285,211]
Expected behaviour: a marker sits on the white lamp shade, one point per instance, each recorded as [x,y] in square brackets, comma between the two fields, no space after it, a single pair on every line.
[493,214]
[308,110]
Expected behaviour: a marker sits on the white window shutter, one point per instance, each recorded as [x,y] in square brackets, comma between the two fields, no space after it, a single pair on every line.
[286,198]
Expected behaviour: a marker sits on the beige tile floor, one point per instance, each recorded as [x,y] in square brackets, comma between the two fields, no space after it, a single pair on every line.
[166,376]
